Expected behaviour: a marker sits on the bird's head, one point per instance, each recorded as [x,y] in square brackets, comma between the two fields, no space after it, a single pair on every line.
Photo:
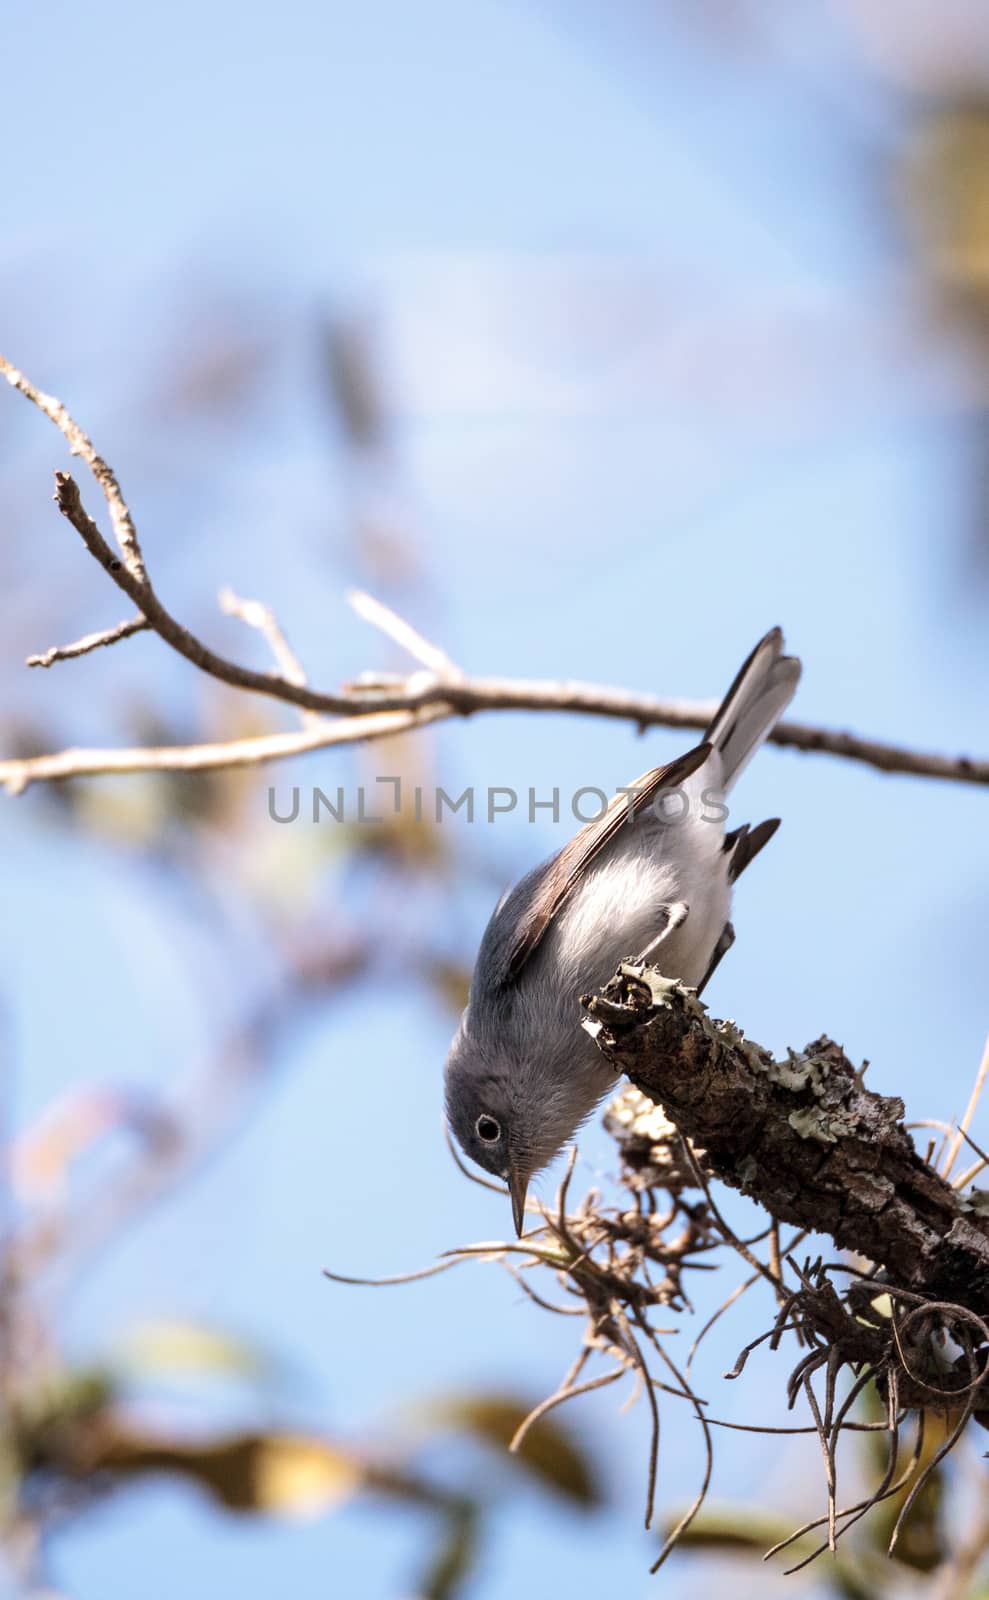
[511,1116]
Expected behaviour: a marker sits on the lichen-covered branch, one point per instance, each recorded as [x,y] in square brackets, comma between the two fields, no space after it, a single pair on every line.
[903,1321]
[802,1135]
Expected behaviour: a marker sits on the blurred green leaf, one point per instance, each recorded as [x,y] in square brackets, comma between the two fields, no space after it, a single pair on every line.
[750,1531]
[177,1348]
[548,1452]
[65,1398]
[738,1528]
[454,1558]
[280,1474]
[922,1540]
[947,189]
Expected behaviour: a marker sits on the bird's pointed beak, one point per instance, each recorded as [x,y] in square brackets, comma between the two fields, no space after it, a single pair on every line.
[518,1183]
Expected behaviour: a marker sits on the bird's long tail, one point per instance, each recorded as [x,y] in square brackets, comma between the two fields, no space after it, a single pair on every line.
[761,692]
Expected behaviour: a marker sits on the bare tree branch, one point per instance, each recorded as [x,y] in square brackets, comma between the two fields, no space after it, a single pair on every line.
[16,775]
[257,615]
[140,590]
[80,445]
[439,690]
[91,641]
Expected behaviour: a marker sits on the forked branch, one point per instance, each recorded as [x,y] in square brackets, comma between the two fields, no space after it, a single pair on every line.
[375,705]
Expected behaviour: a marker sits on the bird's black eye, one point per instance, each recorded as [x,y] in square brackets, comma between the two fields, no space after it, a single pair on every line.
[488,1130]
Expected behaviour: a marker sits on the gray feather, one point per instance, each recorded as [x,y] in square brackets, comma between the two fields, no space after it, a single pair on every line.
[520,1062]
[762,690]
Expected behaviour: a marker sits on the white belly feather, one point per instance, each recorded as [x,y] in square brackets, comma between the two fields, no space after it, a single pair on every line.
[616,910]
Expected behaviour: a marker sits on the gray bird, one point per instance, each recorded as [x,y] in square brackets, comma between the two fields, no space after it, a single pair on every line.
[654,873]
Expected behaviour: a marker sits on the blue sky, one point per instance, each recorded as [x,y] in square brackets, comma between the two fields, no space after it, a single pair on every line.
[660,380]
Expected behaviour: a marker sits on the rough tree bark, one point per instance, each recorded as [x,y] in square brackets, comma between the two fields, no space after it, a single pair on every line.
[803,1136]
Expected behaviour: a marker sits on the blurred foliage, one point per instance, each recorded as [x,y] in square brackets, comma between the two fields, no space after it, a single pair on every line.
[76,1438]
[548,1452]
[863,1567]
[219,366]
[747,1532]
[177,1348]
[353,383]
[947,185]
[332,904]
[68,1439]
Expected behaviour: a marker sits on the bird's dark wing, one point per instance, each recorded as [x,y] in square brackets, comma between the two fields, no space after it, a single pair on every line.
[743,845]
[549,888]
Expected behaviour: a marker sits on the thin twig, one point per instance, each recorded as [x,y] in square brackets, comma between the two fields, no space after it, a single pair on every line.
[725,1305]
[565,1392]
[537,1299]
[461,1165]
[963,1126]
[887,1488]
[688,1516]
[257,615]
[965,1178]
[728,1233]
[780,1326]
[90,641]
[775,1262]
[396,628]
[763,1427]
[398,1277]
[640,1362]
[255,751]
[931,1467]
[80,445]
[828,1453]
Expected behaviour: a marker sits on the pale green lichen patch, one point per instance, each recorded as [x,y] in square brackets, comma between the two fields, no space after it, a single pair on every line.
[798,1073]
[662,990]
[827,1127]
[810,1074]
[976,1203]
[731,1035]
